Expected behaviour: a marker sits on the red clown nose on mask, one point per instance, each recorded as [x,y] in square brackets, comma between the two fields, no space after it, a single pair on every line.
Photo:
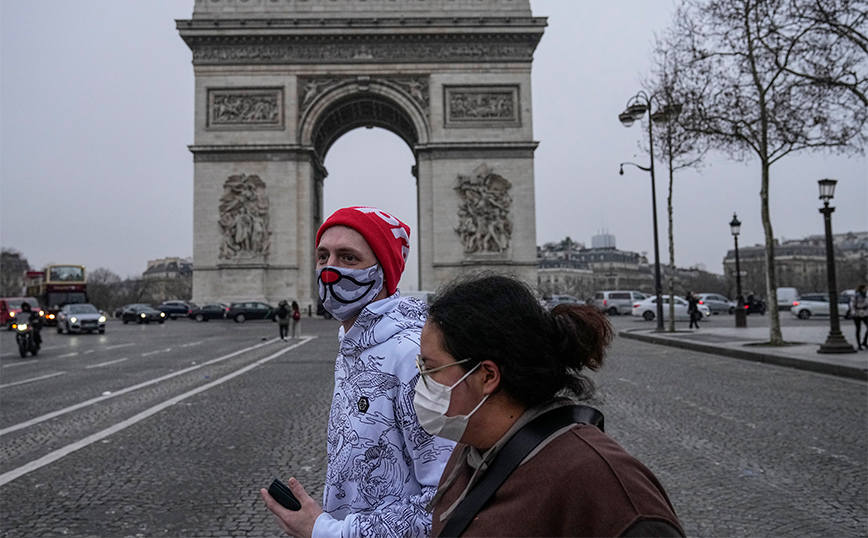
[387,236]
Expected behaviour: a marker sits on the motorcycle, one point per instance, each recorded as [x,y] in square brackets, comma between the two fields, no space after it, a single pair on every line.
[26,338]
[755,306]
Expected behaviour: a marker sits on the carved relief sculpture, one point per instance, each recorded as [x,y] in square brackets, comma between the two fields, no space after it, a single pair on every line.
[476,105]
[310,88]
[483,212]
[244,218]
[229,108]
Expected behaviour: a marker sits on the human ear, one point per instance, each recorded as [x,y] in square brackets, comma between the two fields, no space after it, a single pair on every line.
[490,376]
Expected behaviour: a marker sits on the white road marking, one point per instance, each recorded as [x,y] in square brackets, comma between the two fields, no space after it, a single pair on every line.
[194,343]
[31,380]
[149,353]
[73,354]
[51,457]
[98,399]
[19,363]
[100,365]
[120,345]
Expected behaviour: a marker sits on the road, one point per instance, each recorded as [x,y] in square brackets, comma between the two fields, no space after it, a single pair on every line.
[170,430]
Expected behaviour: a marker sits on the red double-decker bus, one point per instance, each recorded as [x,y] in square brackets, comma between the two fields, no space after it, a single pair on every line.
[56,286]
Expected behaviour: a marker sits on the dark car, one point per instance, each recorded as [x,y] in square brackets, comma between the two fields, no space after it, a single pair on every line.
[142,313]
[176,309]
[243,311]
[209,311]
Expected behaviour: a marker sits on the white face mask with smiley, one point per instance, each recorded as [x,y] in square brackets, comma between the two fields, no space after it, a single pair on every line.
[431,402]
[346,292]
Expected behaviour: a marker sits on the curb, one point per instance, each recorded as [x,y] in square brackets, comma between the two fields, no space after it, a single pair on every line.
[800,364]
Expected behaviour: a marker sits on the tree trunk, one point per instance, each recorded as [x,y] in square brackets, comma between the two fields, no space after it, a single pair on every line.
[775,336]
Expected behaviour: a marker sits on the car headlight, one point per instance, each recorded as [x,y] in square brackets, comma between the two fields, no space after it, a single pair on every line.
[102,319]
[142,314]
[162,314]
[50,316]
[73,319]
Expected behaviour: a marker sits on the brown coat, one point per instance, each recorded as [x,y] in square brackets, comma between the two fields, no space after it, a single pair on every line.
[581,484]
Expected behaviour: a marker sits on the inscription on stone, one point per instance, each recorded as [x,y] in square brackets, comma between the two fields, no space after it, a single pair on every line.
[244,218]
[483,211]
[245,108]
[481,105]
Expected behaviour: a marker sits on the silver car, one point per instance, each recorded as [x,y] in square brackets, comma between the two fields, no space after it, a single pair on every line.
[718,304]
[80,318]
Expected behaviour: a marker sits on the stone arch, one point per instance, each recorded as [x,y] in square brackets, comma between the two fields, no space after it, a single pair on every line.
[277,83]
[349,105]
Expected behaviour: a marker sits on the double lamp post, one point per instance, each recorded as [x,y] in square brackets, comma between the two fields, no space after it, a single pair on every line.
[635,111]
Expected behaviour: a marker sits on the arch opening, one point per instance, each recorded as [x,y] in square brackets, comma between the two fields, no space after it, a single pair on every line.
[372,167]
[365,110]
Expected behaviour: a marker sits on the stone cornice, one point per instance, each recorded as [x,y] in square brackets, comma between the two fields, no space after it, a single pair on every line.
[351,41]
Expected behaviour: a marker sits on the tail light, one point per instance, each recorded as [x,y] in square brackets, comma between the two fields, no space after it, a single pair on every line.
[795,303]
[701,302]
[746,306]
[604,302]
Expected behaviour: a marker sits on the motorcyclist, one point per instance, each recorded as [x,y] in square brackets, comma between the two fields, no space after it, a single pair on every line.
[32,319]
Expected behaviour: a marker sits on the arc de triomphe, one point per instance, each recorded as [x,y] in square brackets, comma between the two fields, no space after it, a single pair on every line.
[279,81]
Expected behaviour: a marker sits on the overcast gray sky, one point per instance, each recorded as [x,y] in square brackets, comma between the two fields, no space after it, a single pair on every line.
[96,113]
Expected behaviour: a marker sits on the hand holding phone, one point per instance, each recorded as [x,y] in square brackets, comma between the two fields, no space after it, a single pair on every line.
[283,495]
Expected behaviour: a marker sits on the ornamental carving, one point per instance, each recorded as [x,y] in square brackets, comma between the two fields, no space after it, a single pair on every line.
[414,87]
[483,211]
[481,105]
[244,218]
[246,108]
[388,51]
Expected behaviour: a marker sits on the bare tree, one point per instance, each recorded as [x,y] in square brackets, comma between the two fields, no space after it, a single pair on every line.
[104,288]
[680,147]
[746,72]
[13,264]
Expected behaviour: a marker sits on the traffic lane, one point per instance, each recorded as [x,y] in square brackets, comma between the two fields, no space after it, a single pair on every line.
[724,320]
[197,466]
[743,449]
[107,364]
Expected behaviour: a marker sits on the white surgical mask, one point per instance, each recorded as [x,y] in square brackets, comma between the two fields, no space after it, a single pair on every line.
[431,403]
[346,292]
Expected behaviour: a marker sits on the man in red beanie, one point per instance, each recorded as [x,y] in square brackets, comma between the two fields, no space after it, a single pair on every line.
[383,468]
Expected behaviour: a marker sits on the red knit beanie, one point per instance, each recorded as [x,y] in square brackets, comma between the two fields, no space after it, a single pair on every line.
[387,236]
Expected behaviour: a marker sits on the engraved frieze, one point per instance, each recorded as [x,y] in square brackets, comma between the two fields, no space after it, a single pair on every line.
[389,50]
[245,107]
[484,224]
[244,218]
[474,105]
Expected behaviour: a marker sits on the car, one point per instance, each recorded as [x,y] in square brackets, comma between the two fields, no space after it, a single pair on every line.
[617,302]
[209,311]
[176,309]
[10,306]
[647,308]
[79,318]
[717,303]
[142,313]
[555,300]
[242,311]
[817,304]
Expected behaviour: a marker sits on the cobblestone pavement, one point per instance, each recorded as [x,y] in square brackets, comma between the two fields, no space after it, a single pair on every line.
[743,449]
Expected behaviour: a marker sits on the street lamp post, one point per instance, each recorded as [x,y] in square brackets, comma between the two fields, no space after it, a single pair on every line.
[835,342]
[740,317]
[635,111]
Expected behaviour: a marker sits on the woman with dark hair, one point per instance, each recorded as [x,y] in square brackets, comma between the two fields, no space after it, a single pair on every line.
[496,369]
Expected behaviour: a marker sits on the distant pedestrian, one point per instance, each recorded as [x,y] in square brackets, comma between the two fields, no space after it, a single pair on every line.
[283,319]
[296,319]
[859,313]
[693,310]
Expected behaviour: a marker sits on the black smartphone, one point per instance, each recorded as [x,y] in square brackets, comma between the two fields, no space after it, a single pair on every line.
[283,495]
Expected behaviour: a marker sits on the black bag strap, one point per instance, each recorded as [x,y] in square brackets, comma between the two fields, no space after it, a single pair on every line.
[513,452]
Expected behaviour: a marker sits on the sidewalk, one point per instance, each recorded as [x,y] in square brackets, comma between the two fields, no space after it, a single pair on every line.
[742,344]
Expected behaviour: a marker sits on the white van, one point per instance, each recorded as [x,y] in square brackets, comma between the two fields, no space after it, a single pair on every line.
[617,302]
[786,296]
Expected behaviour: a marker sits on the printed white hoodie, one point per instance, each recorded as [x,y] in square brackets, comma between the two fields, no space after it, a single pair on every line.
[383,468]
